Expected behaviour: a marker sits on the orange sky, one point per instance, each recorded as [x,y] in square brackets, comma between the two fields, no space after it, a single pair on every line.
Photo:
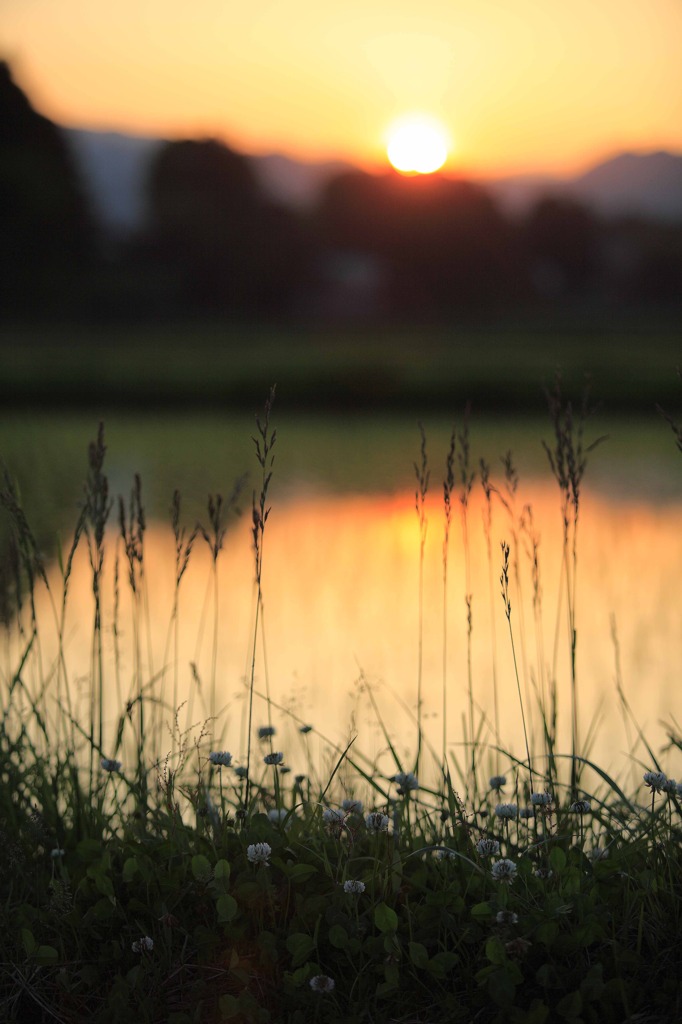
[532,85]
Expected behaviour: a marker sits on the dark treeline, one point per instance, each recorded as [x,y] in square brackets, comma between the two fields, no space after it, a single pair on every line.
[375,247]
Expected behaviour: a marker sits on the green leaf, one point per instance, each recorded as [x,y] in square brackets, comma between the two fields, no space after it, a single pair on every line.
[298,873]
[557,859]
[201,868]
[442,963]
[592,986]
[418,954]
[300,946]
[494,950]
[546,976]
[385,989]
[481,911]
[537,1013]
[130,869]
[103,883]
[501,988]
[570,1006]
[46,954]
[338,936]
[89,849]
[301,975]
[385,919]
[229,1007]
[392,974]
[221,871]
[227,907]
[30,944]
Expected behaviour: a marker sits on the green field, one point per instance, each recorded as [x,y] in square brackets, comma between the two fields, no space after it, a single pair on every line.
[497,366]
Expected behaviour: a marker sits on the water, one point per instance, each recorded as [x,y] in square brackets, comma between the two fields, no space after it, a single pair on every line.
[341,615]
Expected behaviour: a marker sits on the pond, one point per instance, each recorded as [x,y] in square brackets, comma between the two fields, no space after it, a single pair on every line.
[352,618]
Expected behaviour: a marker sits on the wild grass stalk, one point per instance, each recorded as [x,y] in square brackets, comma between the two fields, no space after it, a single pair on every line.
[466,482]
[448,488]
[184,542]
[568,461]
[504,583]
[423,474]
[488,490]
[260,512]
[98,505]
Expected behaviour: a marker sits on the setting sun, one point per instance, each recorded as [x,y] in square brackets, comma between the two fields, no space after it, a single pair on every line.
[417,144]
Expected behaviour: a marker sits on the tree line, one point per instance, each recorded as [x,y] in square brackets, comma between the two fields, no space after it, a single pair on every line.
[373,246]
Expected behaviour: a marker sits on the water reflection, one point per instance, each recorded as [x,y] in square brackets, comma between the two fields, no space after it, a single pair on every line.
[341,591]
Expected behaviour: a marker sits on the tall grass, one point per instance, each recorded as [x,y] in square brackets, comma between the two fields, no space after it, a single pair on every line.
[150,874]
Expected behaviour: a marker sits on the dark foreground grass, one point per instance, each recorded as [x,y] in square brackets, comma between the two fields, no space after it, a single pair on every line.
[147,876]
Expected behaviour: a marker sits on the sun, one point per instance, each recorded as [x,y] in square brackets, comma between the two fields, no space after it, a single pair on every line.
[417,144]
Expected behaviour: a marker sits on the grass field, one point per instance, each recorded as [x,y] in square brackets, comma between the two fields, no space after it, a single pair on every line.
[495,366]
[151,875]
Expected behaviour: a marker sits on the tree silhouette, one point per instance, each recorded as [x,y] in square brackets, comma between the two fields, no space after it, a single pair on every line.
[445,243]
[207,224]
[47,231]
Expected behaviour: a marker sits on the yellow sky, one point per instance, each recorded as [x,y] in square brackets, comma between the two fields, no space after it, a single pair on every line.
[526,85]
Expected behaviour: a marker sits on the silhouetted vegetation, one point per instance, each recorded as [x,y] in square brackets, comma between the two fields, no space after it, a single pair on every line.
[47,230]
[376,249]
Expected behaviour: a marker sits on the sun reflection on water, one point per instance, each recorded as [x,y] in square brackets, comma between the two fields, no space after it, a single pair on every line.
[340,611]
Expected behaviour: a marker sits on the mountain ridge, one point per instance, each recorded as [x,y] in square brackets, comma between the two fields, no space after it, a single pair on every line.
[114,165]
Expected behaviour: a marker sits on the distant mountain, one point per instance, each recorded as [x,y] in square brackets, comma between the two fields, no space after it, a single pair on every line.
[649,184]
[293,182]
[639,184]
[114,167]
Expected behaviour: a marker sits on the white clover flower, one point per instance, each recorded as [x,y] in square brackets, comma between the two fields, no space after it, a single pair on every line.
[541,799]
[655,781]
[266,731]
[445,854]
[406,781]
[679,788]
[526,812]
[306,729]
[352,806]
[273,758]
[322,983]
[57,853]
[143,945]
[580,807]
[488,847]
[110,765]
[543,873]
[353,887]
[506,917]
[376,822]
[497,782]
[333,816]
[241,771]
[507,811]
[258,853]
[504,870]
[670,786]
[220,758]
[277,814]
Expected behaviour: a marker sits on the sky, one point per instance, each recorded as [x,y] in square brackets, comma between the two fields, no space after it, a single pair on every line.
[521,86]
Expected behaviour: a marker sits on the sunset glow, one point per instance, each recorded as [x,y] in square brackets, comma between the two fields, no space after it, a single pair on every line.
[522,87]
[417,145]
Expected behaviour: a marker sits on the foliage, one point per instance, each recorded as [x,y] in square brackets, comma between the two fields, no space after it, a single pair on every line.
[188,889]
